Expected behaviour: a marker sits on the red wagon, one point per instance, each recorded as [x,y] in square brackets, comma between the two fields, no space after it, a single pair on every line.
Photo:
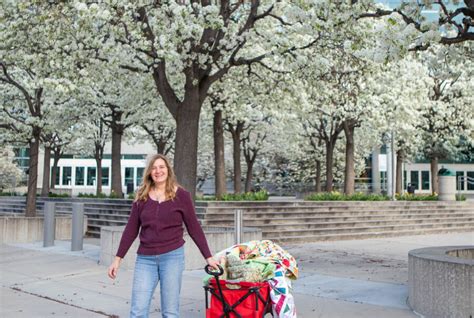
[242,300]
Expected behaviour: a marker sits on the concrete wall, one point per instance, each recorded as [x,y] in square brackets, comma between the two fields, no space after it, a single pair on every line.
[441,284]
[20,229]
[217,238]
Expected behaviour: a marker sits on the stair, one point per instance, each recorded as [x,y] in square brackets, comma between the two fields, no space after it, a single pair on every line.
[299,222]
[292,221]
[99,212]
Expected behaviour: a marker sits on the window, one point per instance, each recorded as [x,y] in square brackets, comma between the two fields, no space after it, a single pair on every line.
[128,176]
[80,175]
[405,183]
[459,174]
[414,179]
[383,180]
[67,171]
[91,176]
[139,175]
[425,180]
[56,181]
[105,176]
[470,181]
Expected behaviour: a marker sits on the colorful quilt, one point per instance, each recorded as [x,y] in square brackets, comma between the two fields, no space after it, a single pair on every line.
[283,305]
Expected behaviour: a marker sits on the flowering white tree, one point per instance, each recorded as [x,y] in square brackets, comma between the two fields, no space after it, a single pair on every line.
[10,173]
[408,27]
[32,72]
[186,46]
[443,116]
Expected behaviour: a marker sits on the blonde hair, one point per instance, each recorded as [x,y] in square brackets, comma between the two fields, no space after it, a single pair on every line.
[147,183]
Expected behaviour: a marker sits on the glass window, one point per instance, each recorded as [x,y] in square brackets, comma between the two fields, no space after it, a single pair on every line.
[414,179]
[105,176]
[56,181]
[383,180]
[91,176]
[67,171]
[470,180]
[80,175]
[459,182]
[425,180]
[140,175]
[405,183]
[128,176]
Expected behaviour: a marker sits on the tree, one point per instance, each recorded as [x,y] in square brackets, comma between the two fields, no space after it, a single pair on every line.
[453,26]
[32,72]
[188,46]
[10,173]
[443,116]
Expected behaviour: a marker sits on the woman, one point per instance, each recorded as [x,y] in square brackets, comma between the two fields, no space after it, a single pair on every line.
[160,208]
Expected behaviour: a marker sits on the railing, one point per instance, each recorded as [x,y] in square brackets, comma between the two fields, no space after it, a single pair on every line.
[460,182]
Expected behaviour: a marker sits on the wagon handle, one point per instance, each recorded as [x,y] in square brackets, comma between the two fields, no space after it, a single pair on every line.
[211,271]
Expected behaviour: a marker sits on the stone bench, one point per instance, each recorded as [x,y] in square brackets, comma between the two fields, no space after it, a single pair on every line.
[218,238]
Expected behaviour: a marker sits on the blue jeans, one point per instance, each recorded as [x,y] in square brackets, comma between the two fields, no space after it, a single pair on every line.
[165,268]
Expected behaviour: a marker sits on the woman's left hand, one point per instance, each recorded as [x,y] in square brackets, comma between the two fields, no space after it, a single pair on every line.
[213,263]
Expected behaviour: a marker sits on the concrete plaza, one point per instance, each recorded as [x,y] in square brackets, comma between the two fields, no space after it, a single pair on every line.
[357,278]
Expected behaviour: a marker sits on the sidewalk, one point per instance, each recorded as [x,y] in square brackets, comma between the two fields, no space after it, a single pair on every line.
[360,278]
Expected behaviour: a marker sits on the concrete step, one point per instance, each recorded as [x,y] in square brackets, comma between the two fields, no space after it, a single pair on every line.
[303,220]
[102,222]
[282,214]
[282,233]
[243,204]
[357,224]
[363,235]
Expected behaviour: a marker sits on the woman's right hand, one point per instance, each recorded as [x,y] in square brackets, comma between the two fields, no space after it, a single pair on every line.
[113,268]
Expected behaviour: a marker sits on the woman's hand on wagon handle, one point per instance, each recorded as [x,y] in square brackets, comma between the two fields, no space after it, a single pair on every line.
[213,263]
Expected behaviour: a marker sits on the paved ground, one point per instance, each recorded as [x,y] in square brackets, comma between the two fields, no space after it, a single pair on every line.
[360,278]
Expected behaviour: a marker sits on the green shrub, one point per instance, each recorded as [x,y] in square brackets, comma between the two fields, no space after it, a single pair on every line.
[261,195]
[337,196]
[114,195]
[460,197]
[92,195]
[58,195]
[8,194]
[131,196]
[416,197]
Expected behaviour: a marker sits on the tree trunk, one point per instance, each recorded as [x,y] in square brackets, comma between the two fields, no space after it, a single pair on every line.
[399,181]
[349,173]
[236,156]
[187,130]
[219,160]
[329,164]
[98,181]
[248,177]
[54,174]
[46,171]
[30,210]
[434,175]
[116,156]
[318,176]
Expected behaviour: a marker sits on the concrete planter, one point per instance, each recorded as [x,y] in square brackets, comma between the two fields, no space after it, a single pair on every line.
[21,229]
[217,238]
[447,188]
[440,281]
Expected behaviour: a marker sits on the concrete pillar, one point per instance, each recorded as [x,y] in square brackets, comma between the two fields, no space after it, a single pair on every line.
[77,226]
[389,169]
[238,226]
[49,224]
[375,171]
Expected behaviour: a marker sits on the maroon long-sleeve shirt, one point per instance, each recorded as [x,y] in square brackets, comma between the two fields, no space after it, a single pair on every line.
[161,226]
